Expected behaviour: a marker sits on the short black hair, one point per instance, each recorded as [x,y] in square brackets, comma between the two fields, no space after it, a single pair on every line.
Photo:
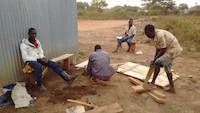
[97,47]
[149,28]
[31,29]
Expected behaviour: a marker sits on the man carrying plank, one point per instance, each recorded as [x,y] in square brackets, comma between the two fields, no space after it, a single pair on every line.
[167,49]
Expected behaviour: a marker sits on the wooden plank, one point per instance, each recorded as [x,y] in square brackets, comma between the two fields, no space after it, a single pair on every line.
[154,92]
[138,71]
[157,99]
[81,103]
[135,81]
[76,109]
[62,57]
[138,89]
[113,108]
[82,64]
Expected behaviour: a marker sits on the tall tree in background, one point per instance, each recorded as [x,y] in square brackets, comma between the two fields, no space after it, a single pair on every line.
[98,4]
[163,5]
[82,5]
[183,7]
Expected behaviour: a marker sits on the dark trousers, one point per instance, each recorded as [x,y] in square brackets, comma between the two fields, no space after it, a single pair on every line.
[37,65]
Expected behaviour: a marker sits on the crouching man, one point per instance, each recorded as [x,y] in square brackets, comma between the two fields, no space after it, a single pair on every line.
[99,67]
[32,53]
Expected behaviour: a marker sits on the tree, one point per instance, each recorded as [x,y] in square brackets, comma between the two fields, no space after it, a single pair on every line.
[98,4]
[82,5]
[160,5]
[183,7]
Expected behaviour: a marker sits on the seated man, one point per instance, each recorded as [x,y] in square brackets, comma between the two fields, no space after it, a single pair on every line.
[99,66]
[167,49]
[130,32]
[32,54]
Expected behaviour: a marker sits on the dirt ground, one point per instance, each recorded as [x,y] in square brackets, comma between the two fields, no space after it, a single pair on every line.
[186,99]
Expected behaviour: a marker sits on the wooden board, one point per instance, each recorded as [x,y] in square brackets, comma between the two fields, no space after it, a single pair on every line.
[138,89]
[62,57]
[155,94]
[157,99]
[76,109]
[80,102]
[138,71]
[140,83]
[82,64]
[113,108]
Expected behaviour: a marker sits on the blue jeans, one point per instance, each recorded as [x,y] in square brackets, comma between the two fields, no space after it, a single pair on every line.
[37,66]
[129,40]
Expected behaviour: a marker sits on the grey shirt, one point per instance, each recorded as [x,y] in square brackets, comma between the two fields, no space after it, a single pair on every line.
[99,65]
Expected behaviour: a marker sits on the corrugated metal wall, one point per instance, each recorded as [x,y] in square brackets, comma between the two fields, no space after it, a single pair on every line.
[55,21]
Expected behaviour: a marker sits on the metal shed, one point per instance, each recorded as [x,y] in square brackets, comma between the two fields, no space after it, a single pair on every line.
[55,21]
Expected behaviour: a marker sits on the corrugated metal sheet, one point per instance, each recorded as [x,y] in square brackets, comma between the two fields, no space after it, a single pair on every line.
[55,21]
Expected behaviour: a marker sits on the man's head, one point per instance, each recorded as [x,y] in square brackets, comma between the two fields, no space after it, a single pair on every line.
[32,33]
[149,31]
[97,47]
[130,22]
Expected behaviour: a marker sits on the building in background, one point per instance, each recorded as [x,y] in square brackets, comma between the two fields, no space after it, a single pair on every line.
[55,21]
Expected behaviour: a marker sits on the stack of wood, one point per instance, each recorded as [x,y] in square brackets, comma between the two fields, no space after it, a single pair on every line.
[154,94]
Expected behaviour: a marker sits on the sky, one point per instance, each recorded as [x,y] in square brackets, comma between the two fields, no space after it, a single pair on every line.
[112,3]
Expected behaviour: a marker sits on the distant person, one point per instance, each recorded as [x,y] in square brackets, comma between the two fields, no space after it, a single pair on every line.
[99,67]
[129,34]
[167,49]
[32,53]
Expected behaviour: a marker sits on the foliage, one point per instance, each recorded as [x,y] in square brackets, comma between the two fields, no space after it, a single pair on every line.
[98,5]
[185,28]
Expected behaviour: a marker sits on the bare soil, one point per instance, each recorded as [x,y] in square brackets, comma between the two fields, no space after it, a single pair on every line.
[186,99]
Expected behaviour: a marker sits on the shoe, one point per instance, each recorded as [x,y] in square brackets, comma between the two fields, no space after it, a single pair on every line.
[71,80]
[170,90]
[149,87]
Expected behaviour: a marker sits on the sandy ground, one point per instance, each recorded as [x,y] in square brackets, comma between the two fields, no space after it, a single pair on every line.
[186,100]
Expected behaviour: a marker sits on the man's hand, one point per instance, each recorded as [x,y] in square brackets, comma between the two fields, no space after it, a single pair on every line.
[45,60]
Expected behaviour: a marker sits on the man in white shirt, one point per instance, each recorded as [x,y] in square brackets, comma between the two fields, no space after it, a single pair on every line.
[167,49]
[130,32]
[32,53]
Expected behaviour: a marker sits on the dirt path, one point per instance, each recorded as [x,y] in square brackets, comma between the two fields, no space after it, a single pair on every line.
[104,32]
[188,89]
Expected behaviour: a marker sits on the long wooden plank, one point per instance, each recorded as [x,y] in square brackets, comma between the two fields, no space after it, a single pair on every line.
[157,99]
[113,108]
[81,103]
[62,57]
[76,109]
[82,64]
[138,89]
[155,94]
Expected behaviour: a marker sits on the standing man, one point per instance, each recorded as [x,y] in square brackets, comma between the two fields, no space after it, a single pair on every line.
[130,32]
[99,67]
[32,53]
[167,49]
